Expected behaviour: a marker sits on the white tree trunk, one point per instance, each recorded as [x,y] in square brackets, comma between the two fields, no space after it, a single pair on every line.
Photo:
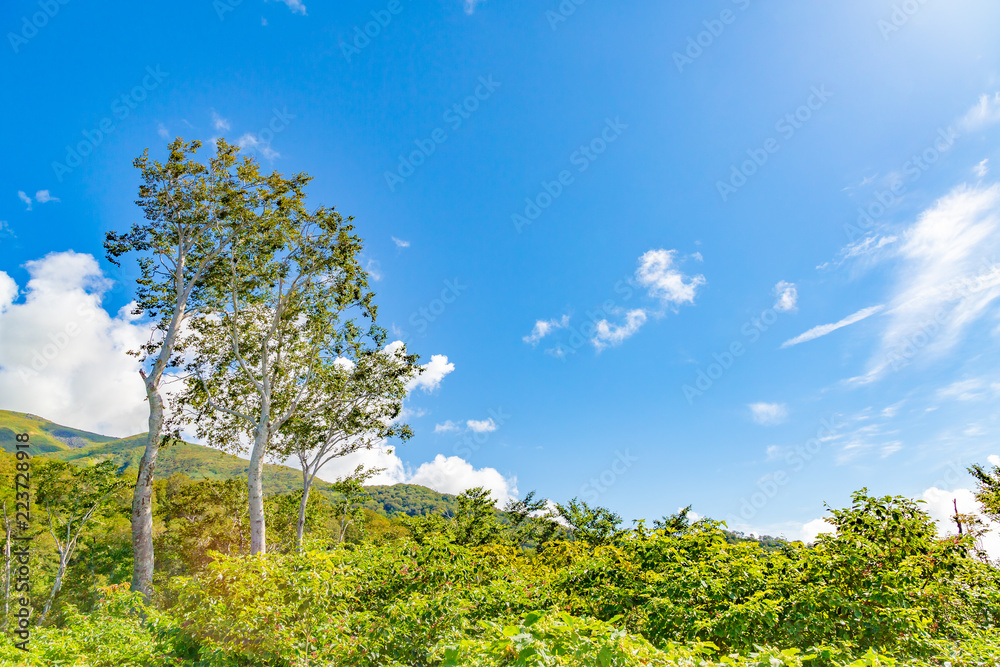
[142,501]
[255,489]
[300,528]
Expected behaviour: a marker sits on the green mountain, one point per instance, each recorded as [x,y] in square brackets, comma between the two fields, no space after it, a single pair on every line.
[79,447]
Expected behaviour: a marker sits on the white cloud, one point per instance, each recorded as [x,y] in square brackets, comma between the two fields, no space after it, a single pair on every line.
[965,390]
[543,328]
[162,130]
[434,372]
[608,335]
[656,272]
[297,6]
[787,297]
[947,278]
[483,426]
[470,5]
[824,329]
[813,529]
[25,198]
[940,504]
[993,459]
[253,142]
[451,474]
[985,113]
[400,243]
[982,168]
[44,197]
[447,427]
[62,355]
[219,123]
[6,230]
[374,269]
[769,414]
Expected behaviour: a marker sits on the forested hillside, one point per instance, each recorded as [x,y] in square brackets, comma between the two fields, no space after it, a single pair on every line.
[62,443]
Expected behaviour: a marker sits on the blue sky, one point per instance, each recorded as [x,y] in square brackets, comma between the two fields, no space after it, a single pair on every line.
[574,212]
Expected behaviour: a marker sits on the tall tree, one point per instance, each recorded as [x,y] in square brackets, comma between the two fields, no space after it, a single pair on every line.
[291,281]
[184,233]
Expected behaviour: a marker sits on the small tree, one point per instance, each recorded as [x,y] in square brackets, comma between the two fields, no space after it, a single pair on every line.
[185,205]
[72,497]
[347,509]
[476,520]
[355,408]
[532,522]
[591,525]
[988,491]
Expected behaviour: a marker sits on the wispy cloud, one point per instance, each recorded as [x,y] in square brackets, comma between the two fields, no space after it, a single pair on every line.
[824,329]
[447,427]
[470,5]
[22,195]
[400,243]
[483,426]
[985,113]
[44,197]
[297,6]
[219,123]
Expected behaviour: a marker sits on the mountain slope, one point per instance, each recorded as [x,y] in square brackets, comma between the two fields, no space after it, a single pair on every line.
[79,447]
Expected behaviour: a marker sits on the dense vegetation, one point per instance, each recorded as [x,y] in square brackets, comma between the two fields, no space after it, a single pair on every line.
[483,587]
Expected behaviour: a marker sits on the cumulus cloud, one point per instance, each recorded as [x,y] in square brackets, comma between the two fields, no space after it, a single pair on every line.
[543,328]
[447,427]
[984,113]
[44,197]
[787,296]
[993,459]
[940,505]
[434,372]
[824,329]
[607,334]
[62,356]
[672,287]
[768,414]
[482,426]
[400,243]
[451,474]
